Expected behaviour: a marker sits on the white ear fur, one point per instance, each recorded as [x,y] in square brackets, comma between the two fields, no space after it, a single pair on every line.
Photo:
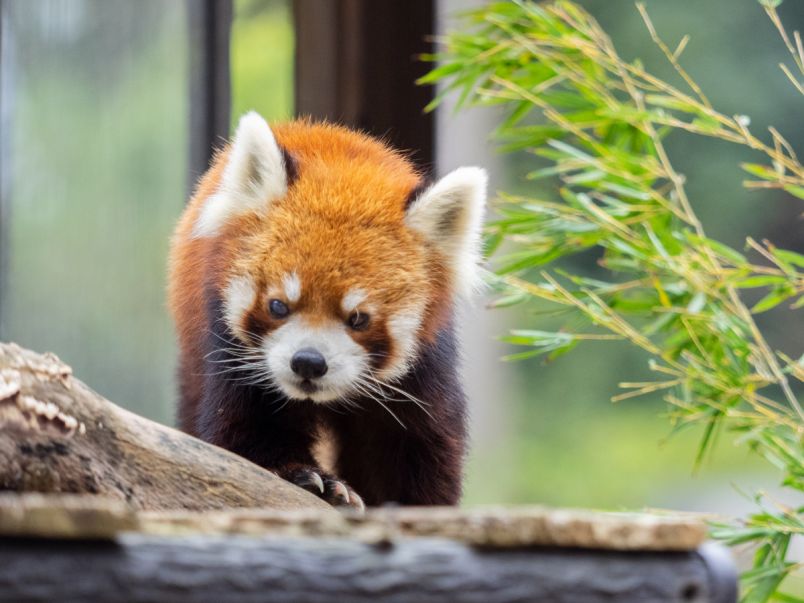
[255,174]
[449,214]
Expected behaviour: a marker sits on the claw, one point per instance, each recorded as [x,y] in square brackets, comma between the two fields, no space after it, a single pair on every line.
[328,487]
[358,503]
[341,491]
[311,478]
[318,481]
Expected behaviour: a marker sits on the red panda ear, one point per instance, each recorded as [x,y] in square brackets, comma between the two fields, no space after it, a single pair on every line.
[254,175]
[449,214]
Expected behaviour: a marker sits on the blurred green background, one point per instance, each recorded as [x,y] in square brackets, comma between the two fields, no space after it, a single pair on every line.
[94,161]
[566,443]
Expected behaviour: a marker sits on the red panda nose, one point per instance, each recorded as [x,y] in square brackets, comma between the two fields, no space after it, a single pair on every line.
[308,363]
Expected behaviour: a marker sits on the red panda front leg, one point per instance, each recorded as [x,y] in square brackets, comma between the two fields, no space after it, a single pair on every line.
[245,420]
[420,467]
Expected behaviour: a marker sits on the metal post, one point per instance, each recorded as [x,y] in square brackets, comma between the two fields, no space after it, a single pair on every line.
[4,186]
[210,94]
[357,62]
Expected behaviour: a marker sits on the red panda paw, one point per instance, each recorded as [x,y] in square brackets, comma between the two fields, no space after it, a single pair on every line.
[334,491]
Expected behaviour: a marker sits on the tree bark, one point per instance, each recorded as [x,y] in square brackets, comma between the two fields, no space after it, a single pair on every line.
[59,436]
[194,569]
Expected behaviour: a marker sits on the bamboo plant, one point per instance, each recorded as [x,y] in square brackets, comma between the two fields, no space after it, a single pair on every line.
[600,122]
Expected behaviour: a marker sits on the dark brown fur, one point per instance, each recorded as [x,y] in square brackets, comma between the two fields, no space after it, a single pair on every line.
[384,462]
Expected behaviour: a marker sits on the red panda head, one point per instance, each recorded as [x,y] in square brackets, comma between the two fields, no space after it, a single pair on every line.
[334,263]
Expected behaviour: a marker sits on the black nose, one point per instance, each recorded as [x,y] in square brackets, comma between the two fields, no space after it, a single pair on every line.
[308,363]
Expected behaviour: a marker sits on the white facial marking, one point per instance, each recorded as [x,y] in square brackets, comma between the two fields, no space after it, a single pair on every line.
[254,175]
[292,286]
[404,330]
[449,214]
[352,299]
[346,360]
[238,298]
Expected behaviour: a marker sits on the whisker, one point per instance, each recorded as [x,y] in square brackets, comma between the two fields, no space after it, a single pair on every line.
[367,389]
[420,403]
[284,404]
[235,359]
[381,403]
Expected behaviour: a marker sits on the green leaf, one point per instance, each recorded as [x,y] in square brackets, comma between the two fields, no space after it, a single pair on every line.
[507,301]
[796,191]
[554,344]
[710,432]
[764,588]
[761,171]
[791,257]
[492,242]
[545,172]
[440,73]
[772,299]
[541,338]
[662,322]
[590,175]
[626,191]
[669,102]
[516,115]
[570,150]
[706,124]
[528,137]
[563,350]
[626,248]
[530,259]
[779,597]
[759,281]
[724,250]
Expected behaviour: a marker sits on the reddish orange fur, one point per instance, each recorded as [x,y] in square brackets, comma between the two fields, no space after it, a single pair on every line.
[341,225]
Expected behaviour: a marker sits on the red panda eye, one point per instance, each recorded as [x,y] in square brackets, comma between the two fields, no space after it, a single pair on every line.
[358,321]
[278,308]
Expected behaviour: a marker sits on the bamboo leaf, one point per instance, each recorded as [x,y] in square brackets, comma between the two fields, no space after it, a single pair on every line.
[759,281]
[796,191]
[761,171]
[670,102]
[791,257]
[772,299]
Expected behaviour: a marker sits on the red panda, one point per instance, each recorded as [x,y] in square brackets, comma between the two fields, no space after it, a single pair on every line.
[313,282]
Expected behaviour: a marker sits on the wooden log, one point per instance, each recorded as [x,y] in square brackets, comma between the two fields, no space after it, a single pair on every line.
[92,517]
[139,568]
[107,552]
[488,527]
[59,436]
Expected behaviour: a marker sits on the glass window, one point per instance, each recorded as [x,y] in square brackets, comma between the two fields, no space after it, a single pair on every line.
[262,59]
[94,163]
